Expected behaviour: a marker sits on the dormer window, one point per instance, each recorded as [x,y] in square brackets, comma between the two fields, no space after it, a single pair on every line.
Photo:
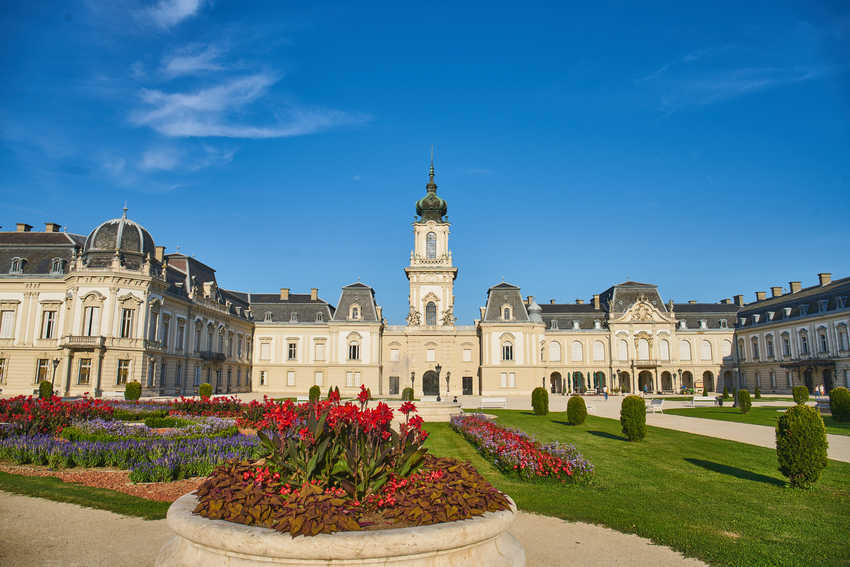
[684,324]
[841,302]
[756,318]
[267,317]
[576,325]
[787,311]
[804,309]
[506,313]
[354,312]
[553,324]
[703,324]
[320,317]
[724,324]
[57,266]
[17,266]
[293,317]
[771,315]
[822,305]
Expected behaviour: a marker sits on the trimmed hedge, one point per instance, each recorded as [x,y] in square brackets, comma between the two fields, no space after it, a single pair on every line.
[407,394]
[158,422]
[744,402]
[205,390]
[839,404]
[801,445]
[633,418]
[45,390]
[540,401]
[801,394]
[315,393]
[576,410]
[125,415]
[132,391]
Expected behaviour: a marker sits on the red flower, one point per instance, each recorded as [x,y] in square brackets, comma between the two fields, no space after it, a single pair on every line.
[363,396]
[407,407]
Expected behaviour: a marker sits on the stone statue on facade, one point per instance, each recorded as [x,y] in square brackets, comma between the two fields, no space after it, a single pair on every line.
[414,319]
[449,317]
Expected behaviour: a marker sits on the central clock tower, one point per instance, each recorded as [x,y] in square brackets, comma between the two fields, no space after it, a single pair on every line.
[431,273]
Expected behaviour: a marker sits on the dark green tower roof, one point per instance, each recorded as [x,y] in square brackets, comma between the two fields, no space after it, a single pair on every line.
[431,207]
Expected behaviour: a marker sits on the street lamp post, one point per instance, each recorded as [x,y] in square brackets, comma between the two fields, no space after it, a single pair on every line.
[412,380]
[437,367]
[53,377]
[448,375]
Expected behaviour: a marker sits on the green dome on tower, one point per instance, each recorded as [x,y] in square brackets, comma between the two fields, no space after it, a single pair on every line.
[431,207]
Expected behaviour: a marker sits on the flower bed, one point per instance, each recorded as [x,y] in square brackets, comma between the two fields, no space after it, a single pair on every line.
[113,430]
[32,415]
[221,406]
[515,451]
[149,460]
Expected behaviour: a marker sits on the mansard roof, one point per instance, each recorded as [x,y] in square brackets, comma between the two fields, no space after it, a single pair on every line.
[38,249]
[362,295]
[306,309]
[504,294]
[810,301]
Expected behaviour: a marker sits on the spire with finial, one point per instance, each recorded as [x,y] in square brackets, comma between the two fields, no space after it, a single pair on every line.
[124,214]
[431,207]
[431,187]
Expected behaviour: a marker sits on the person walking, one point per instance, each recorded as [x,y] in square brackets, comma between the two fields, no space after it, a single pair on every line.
[605,392]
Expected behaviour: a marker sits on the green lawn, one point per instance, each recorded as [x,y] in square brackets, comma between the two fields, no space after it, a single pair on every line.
[101,498]
[720,501]
[764,415]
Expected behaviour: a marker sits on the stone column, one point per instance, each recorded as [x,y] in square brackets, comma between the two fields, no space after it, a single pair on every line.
[97,377]
[67,360]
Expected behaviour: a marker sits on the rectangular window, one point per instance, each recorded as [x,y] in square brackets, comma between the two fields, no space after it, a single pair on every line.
[393,385]
[354,351]
[154,328]
[786,346]
[503,379]
[178,340]
[230,345]
[467,355]
[512,380]
[788,378]
[320,351]
[151,374]
[178,378]
[238,376]
[318,378]
[822,342]
[91,321]
[262,377]
[265,351]
[239,346]
[166,327]
[218,379]
[467,385]
[7,324]
[123,371]
[290,378]
[42,370]
[394,355]
[126,323]
[507,351]
[770,348]
[198,338]
[2,370]
[48,324]
[430,355]
[84,372]
[356,379]
[292,353]
[349,379]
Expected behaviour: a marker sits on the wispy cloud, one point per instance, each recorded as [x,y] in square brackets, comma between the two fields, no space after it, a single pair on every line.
[168,13]
[210,112]
[184,158]
[193,60]
[159,159]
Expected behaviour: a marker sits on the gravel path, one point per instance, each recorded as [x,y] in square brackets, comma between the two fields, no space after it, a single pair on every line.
[94,538]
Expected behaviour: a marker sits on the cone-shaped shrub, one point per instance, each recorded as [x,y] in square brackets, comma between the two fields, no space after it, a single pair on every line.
[839,404]
[330,390]
[633,418]
[540,401]
[132,391]
[576,410]
[744,402]
[725,393]
[315,393]
[205,390]
[801,445]
[407,394]
[801,394]
[45,390]
[757,393]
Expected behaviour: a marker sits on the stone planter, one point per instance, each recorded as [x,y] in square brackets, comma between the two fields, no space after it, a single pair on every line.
[202,542]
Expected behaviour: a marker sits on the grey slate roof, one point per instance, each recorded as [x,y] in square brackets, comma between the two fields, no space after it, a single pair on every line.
[810,301]
[361,294]
[38,249]
[498,296]
[305,309]
[618,298]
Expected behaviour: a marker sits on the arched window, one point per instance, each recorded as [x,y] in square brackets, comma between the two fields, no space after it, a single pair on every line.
[622,349]
[598,350]
[726,348]
[742,354]
[804,342]
[705,352]
[768,343]
[17,266]
[823,341]
[354,312]
[578,351]
[320,317]
[431,314]
[643,349]
[755,344]
[664,349]
[57,266]
[786,344]
[431,246]
[555,351]
[354,350]
[507,350]
[506,313]
[842,337]
[684,350]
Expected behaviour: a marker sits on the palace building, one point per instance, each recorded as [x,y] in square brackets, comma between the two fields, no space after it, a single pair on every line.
[89,313]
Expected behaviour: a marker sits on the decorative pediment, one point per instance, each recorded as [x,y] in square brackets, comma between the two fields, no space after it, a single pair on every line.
[643,311]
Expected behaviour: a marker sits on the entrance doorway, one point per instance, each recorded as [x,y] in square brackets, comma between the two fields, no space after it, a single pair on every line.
[625,382]
[809,379]
[578,382]
[430,384]
[557,383]
[645,381]
[708,381]
[827,380]
[666,381]
[467,385]
[687,379]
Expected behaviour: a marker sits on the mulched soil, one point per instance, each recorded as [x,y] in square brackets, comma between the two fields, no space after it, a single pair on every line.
[112,479]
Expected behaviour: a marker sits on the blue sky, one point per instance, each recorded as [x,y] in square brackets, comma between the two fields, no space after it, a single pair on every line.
[703,147]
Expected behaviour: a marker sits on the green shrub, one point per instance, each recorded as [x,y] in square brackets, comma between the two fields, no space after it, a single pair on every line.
[45,390]
[205,390]
[125,415]
[633,418]
[407,394]
[540,401]
[705,392]
[801,445]
[757,393]
[744,402]
[801,394]
[315,393]
[839,404]
[158,422]
[576,410]
[330,391]
[132,391]
[725,393]
[336,392]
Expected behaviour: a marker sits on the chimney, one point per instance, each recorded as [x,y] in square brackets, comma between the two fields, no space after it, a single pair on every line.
[529,299]
[314,294]
[380,312]
[482,309]
[692,301]
[159,253]
[761,295]
[23,227]
[739,300]
[596,301]
[52,227]
[284,294]
[776,291]
[825,278]
[725,301]
[579,302]
[552,301]
[795,286]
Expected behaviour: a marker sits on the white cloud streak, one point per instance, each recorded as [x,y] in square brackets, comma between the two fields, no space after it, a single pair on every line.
[168,13]
[191,62]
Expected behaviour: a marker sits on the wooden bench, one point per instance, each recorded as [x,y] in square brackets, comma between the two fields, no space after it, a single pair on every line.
[703,401]
[493,403]
[655,406]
